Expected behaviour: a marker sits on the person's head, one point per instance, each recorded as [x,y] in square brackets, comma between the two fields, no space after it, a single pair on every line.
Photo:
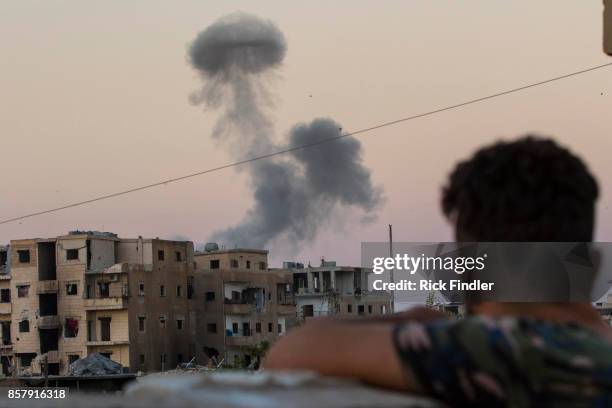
[530,189]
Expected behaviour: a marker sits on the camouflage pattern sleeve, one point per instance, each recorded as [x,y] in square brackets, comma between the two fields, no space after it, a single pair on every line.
[506,362]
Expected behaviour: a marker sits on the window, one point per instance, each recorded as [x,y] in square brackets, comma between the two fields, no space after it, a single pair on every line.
[23,255]
[179,256]
[141,359]
[179,358]
[26,359]
[360,309]
[71,327]
[235,328]
[383,309]
[189,287]
[162,321]
[270,327]
[88,292]
[214,264]
[141,291]
[72,358]
[349,308]
[141,323]
[105,328]
[262,266]
[370,309]
[90,330]
[280,328]
[162,291]
[24,326]
[5,296]
[258,327]
[160,255]
[179,291]
[179,324]
[23,291]
[211,327]
[234,263]
[104,288]
[72,254]
[246,329]
[248,264]
[71,289]
[210,296]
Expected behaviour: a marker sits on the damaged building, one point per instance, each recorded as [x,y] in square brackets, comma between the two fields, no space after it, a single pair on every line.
[6,347]
[329,289]
[91,291]
[241,303]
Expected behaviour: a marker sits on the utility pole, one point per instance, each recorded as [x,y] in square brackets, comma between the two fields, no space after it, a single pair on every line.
[391,272]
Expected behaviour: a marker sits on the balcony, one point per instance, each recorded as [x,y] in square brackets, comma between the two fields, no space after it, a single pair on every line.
[109,303]
[238,308]
[239,341]
[47,286]
[6,349]
[52,357]
[48,322]
[5,308]
[93,343]
[285,309]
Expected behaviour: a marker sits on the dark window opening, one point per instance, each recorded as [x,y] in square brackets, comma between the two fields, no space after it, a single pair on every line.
[189,287]
[3,258]
[235,328]
[141,289]
[71,327]
[214,264]
[46,261]
[71,289]
[360,309]
[262,266]
[142,359]
[211,327]
[23,255]
[160,255]
[23,291]
[248,264]
[141,323]
[48,304]
[24,326]
[210,296]
[349,308]
[88,292]
[246,329]
[179,256]
[90,330]
[179,324]
[104,288]
[5,296]
[269,327]
[6,333]
[162,290]
[370,309]
[280,328]
[179,291]
[258,327]
[26,359]
[179,358]
[234,263]
[105,328]
[72,254]
[308,310]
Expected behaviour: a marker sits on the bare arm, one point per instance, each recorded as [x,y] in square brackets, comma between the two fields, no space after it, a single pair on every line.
[360,351]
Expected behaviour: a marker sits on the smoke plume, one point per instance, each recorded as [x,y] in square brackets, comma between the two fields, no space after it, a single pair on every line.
[238,58]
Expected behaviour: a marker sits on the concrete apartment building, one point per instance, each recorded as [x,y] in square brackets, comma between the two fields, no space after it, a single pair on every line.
[6,348]
[329,289]
[94,292]
[240,302]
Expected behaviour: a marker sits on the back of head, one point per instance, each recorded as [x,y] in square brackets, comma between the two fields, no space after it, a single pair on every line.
[530,189]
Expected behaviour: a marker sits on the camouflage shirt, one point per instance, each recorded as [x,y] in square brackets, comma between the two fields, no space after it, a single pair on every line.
[507,362]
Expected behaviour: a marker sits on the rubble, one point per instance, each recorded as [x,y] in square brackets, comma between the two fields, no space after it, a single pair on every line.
[94,364]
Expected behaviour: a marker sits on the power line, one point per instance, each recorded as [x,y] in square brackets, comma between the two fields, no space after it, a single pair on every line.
[304,146]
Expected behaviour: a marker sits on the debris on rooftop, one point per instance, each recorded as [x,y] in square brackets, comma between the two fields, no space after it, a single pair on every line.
[94,364]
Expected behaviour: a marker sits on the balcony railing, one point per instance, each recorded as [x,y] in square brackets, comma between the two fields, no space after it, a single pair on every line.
[107,303]
[47,286]
[48,322]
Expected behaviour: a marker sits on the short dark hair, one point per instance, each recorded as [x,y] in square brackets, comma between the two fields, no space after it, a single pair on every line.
[530,189]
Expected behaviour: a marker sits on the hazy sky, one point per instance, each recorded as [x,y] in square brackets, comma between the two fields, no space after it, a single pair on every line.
[94,99]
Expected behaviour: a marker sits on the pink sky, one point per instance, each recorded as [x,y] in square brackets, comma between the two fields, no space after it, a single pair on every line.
[94,99]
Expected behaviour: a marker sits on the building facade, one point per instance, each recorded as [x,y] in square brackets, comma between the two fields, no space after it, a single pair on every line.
[94,292]
[240,303]
[331,290]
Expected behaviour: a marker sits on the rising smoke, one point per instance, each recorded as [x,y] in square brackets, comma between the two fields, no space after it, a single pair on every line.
[238,57]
